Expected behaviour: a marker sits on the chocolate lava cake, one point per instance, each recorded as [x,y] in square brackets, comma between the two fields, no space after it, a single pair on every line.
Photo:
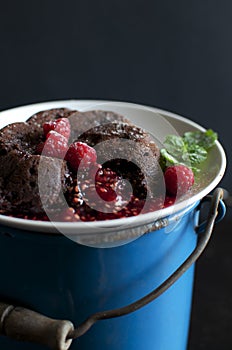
[123,151]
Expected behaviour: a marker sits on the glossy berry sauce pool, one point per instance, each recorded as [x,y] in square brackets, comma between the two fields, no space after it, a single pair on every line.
[102,194]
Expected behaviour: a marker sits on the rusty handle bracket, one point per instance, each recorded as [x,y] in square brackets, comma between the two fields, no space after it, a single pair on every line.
[23,324]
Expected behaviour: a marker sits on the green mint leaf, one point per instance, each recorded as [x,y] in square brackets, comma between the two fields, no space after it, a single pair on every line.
[175,146]
[167,158]
[195,170]
[203,139]
[196,154]
[189,150]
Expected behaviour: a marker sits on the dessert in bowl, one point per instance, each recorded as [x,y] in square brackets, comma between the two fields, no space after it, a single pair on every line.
[81,200]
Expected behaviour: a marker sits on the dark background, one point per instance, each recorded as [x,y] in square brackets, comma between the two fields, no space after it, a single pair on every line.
[171,54]
[176,55]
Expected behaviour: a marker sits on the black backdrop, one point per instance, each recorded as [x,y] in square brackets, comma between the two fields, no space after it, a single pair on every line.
[171,54]
[176,55]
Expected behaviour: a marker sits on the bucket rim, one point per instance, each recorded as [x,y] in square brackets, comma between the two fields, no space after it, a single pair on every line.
[24,112]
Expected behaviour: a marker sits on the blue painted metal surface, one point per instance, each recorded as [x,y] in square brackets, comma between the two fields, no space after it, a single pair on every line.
[61,279]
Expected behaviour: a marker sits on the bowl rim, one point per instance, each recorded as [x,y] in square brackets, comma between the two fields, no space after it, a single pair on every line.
[109,225]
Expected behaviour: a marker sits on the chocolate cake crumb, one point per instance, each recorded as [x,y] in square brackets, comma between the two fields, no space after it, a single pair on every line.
[33,185]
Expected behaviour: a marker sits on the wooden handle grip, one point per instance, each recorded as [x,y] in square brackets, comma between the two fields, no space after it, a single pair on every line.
[25,325]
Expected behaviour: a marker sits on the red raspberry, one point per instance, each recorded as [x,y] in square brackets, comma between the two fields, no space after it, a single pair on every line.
[55,146]
[169,200]
[105,182]
[80,153]
[178,179]
[61,125]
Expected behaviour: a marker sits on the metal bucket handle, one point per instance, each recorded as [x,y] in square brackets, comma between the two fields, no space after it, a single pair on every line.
[26,325]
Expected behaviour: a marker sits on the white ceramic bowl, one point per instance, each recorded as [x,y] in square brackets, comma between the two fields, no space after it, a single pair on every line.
[159,123]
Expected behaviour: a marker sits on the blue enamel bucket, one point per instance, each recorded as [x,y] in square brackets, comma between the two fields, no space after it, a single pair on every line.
[70,271]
